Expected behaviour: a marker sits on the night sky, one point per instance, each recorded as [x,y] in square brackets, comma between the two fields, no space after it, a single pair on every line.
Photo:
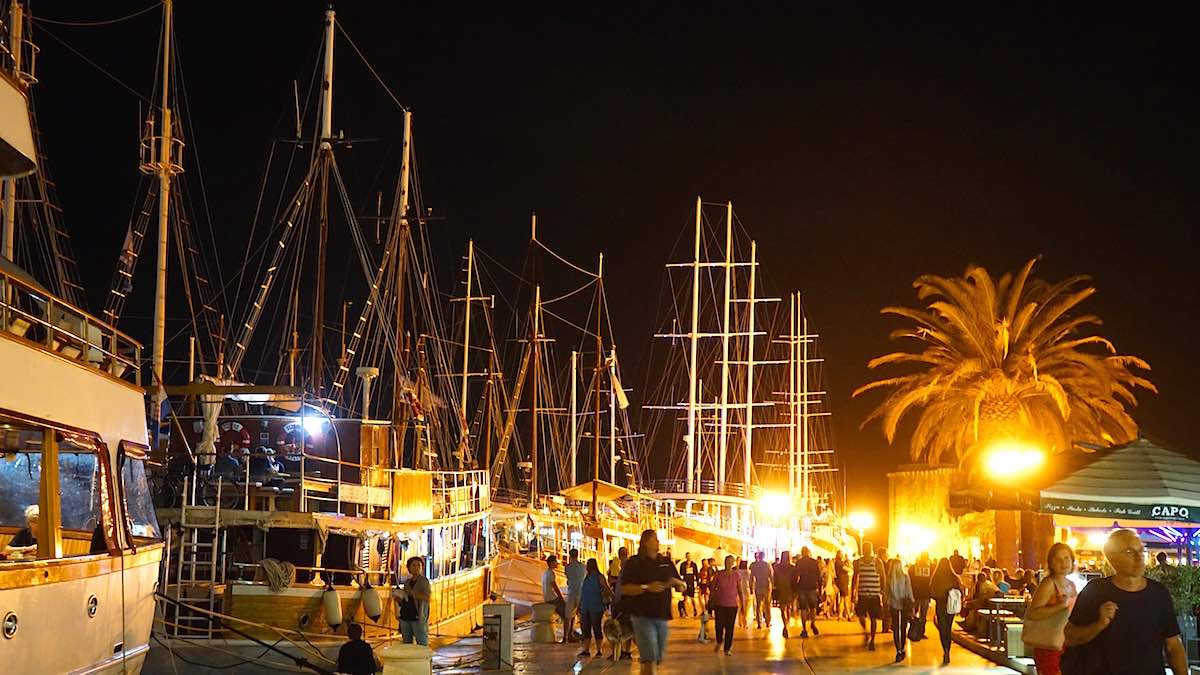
[861,147]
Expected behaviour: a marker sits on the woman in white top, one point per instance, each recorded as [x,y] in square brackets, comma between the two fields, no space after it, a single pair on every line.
[1053,595]
[743,572]
[900,604]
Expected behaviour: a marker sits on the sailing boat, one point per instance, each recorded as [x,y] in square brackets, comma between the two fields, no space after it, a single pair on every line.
[544,508]
[81,544]
[733,492]
[291,508]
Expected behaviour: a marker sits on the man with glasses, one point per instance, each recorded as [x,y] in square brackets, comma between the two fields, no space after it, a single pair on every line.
[1121,625]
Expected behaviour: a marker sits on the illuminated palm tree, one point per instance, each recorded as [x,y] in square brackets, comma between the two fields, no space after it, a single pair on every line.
[1005,358]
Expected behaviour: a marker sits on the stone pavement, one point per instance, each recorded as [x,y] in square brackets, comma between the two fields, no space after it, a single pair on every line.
[839,649]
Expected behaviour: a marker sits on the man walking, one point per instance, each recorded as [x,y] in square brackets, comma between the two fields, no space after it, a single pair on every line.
[575,572]
[551,593]
[646,584]
[760,572]
[785,578]
[1122,624]
[689,573]
[808,591]
[957,563]
[920,574]
[867,589]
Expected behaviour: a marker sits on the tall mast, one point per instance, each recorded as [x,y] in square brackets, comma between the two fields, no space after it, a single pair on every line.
[166,168]
[596,391]
[326,150]
[398,259]
[612,416]
[805,479]
[16,47]
[574,421]
[749,433]
[462,409]
[791,398]
[537,367]
[693,337]
[723,441]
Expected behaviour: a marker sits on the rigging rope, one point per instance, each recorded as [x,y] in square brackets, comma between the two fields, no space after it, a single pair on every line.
[368,65]
[98,67]
[97,22]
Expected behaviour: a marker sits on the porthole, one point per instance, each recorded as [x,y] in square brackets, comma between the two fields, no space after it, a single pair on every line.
[10,624]
[92,605]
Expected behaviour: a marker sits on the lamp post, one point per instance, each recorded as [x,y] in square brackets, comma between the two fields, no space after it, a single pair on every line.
[861,521]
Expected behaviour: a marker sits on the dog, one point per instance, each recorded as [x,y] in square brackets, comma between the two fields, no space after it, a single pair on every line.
[617,631]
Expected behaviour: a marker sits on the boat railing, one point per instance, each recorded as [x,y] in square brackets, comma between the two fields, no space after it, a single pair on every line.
[704,487]
[460,493]
[35,316]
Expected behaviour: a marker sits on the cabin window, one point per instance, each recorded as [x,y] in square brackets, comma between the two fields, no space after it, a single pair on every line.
[77,489]
[139,503]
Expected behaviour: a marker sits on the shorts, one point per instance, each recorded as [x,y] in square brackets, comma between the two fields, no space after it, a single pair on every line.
[809,599]
[690,591]
[843,586]
[869,606]
[784,595]
[572,605]
[651,638]
[1048,661]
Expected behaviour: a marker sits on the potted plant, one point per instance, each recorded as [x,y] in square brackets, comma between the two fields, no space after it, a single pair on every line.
[1183,583]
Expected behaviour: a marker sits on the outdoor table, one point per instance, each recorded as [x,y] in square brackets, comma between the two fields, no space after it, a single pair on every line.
[1013,603]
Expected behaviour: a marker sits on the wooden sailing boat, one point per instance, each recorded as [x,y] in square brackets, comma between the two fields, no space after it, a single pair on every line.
[291,507]
[72,440]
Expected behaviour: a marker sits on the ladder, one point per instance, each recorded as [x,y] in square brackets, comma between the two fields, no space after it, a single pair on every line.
[199,569]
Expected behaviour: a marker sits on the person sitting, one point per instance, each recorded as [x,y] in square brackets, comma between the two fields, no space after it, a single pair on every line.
[356,656]
[1001,584]
[24,542]
[985,589]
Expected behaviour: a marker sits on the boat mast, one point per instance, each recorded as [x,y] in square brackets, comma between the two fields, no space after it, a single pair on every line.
[326,150]
[749,433]
[693,338]
[462,410]
[537,366]
[596,390]
[166,168]
[612,416]
[398,261]
[723,441]
[16,47]
[805,479]
[574,422]
[791,399]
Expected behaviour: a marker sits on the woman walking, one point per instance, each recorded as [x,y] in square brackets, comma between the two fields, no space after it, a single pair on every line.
[1048,611]
[946,591]
[726,596]
[594,597]
[900,605]
[743,572]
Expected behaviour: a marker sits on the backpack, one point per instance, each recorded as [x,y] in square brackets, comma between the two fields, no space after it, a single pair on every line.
[953,601]
[407,609]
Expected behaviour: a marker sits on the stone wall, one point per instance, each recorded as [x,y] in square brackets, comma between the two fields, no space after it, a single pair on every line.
[918,500]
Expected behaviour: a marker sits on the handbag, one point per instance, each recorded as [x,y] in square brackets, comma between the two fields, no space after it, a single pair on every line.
[1047,632]
[954,601]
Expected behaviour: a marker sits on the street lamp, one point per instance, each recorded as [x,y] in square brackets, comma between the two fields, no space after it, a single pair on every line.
[1008,458]
[861,521]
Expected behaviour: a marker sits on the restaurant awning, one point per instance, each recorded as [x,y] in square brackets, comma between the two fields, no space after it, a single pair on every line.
[1138,481]
[605,492]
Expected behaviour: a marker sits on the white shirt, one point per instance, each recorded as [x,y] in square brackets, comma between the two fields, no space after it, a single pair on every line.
[549,584]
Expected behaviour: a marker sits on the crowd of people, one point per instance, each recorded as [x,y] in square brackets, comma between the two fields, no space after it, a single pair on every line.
[1124,623]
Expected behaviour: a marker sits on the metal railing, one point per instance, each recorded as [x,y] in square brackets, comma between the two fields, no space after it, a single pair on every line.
[704,487]
[38,317]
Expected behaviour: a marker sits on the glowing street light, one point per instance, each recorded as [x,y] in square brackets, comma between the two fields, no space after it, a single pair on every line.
[1009,458]
[775,505]
[861,521]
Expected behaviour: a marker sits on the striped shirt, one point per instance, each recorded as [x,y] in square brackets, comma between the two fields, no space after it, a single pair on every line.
[869,582]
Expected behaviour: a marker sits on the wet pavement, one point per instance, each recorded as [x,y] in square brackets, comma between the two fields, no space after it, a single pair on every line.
[839,649]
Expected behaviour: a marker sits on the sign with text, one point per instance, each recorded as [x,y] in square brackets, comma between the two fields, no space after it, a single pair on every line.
[1119,510]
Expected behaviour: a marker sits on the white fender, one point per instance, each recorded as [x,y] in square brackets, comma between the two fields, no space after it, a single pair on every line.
[372,605]
[333,607]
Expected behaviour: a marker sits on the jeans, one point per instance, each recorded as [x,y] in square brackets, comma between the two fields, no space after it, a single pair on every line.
[762,607]
[651,637]
[922,607]
[945,624]
[725,619]
[899,629]
[415,631]
[592,624]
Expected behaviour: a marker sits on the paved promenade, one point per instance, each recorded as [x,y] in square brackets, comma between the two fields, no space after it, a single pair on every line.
[839,649]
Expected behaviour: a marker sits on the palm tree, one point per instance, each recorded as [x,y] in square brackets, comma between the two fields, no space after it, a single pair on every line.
[1006,358]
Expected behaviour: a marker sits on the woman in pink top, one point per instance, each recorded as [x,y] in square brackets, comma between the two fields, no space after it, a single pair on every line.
[725,598]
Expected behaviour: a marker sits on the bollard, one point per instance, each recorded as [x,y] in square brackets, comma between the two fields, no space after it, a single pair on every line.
[406,659]
[543,623]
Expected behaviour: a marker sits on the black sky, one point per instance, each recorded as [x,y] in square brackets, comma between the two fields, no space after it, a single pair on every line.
[861,146]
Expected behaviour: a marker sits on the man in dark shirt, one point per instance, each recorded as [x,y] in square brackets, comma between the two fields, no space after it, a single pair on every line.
[957,562]
[356,656]
[688,572]
[920,574]
[647,580]
[1122,624]
[808,591]
[784,583]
